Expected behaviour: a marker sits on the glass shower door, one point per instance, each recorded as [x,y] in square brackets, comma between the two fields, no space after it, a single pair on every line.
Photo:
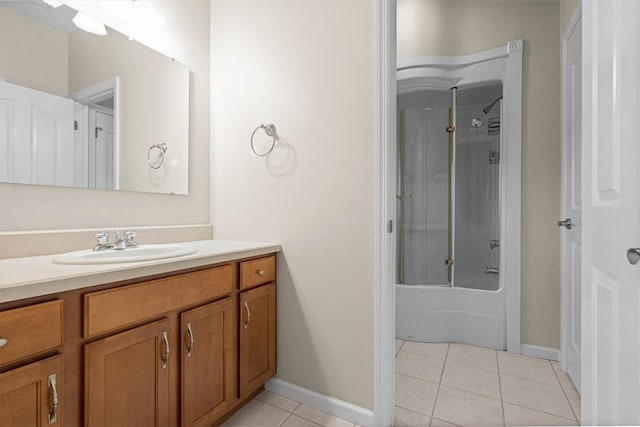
[423,180]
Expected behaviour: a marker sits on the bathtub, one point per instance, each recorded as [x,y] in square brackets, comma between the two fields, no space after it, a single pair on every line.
[451,314]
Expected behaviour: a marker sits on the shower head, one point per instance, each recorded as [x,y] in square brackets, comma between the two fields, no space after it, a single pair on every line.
[490,106]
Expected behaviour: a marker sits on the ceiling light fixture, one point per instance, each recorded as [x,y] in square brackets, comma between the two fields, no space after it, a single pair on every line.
[146,14]
[89,24]
[140,13]
[120,9]
[53,3]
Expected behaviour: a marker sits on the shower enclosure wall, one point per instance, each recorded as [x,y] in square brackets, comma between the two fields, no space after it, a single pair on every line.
[454,232]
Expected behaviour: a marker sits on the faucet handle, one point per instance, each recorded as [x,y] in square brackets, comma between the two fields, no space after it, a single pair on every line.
[102,237]
[130,235]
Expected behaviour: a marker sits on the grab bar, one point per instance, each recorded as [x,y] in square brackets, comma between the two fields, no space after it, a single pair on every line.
[491,270]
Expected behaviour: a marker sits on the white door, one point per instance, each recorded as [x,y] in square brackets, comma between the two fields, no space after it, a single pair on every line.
[101,154]
[611,213]
[572,242]
[37,140]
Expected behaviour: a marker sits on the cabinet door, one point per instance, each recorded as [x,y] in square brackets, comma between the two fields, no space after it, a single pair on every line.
[32,395]
[257,337]
[127,378]
[207,367]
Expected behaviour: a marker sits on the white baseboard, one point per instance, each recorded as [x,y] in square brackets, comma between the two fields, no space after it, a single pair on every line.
[538,351]
[330,405]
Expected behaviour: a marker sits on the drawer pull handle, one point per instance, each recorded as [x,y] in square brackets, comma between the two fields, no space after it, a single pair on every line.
[3,342]
[260,272]
[53,399]
[246,322]
[190,341]
[165,351]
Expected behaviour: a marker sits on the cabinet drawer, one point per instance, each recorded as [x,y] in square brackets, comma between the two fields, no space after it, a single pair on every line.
[112,309]
[30,330]
[257,272]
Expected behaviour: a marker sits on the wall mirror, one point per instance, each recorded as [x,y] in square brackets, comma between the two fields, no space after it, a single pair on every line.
[82,105]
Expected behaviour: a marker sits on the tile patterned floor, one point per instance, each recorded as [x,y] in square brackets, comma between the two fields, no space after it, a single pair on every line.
[444,385]
[441,384]
[272,410]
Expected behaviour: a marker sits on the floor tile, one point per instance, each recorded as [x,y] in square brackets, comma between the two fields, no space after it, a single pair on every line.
[467,409]
[319,417]
[527,367]
[399,345]
[296,421]
[439,423]
[535,395]
[475,380]
[405,418]
[470,355]
[519,416]
[574,401]
[424,368]
[565,380]
[257,413]
[437,350]
[278,401]
[415,395]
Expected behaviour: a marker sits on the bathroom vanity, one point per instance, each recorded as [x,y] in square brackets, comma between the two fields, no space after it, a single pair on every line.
[185,341]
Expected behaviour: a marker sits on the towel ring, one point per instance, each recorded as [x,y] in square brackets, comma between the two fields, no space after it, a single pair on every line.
[270,130]
[160,159]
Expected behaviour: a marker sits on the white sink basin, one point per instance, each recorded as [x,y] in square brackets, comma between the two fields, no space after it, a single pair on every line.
[111,256]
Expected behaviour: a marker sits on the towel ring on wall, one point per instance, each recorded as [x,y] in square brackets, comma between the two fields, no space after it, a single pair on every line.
[270,130]
[162,148]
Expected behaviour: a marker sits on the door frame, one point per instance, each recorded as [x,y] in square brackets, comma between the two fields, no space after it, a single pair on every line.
[563,354]
[385,211]
[384,208]
[99,92]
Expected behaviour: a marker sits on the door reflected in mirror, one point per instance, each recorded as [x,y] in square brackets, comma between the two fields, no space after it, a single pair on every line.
[83,110]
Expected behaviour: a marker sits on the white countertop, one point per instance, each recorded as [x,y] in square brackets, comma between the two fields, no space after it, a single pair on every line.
[34,276]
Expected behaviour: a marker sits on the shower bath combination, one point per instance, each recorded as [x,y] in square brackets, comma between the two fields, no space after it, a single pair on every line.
[452,198]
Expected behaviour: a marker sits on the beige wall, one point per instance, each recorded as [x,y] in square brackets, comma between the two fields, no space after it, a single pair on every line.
[38,59]
[308,67]
[185,37]
[567,9]
[445,27]
[153,106]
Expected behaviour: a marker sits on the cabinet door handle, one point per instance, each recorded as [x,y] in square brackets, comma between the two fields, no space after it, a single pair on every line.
[3,342]
[246,322]
[165,351]
[260,272]
[53,399]
[190,340]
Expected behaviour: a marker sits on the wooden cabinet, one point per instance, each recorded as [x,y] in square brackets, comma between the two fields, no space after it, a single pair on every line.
[127,378]
[31,395]
[207,364]
[186,348]
[257,337]
[30,330]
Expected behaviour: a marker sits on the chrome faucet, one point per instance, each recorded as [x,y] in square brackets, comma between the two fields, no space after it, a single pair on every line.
[125,241]
[121,241]
[103,242]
